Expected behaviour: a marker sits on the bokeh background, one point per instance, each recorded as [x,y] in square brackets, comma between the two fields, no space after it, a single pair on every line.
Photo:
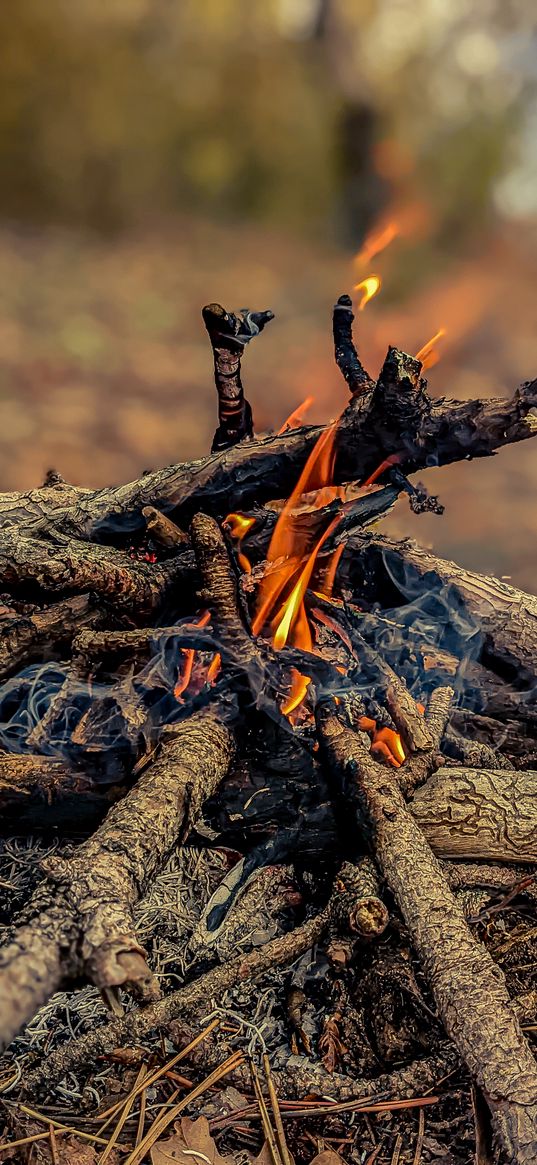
[159,154]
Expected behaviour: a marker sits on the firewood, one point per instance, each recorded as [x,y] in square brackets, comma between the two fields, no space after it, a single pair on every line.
[25,638]
[73,566]
[253,472]
[468,988]
[358,904]
[163,530]
[346,356]
[39,793]
[229,335]
[483,815]
[79,922]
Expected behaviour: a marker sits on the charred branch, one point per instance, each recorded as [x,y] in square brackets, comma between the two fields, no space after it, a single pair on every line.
[43,633]
[162,530]
[229,335]
[39,793]
[347,358]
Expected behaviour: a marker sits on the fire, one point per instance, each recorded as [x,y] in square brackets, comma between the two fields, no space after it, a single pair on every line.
[428,354]
[189,653]
[385,742]
[393,459]
[376,241]
[370,287]
[239,525]
[282,591]
[296,417]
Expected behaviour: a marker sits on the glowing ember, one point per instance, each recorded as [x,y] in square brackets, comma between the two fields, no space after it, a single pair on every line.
[189,653]
[369,287]
[296,417]
[428,354]
[377,240]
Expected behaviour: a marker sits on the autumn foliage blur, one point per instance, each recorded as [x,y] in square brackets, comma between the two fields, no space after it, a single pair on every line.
[156,156]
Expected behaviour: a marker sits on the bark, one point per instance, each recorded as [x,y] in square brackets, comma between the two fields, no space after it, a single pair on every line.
[80,921]
[256,471]
[38,793]
[479,815]
[25,638]
[358,905]
[33,564]
[469,989]
[163,530]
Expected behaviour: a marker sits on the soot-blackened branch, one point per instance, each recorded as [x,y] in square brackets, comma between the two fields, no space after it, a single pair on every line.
[347,358]
[229,335]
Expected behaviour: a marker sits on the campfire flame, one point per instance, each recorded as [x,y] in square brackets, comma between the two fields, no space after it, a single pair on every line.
[239,525]
[281,594]
[296,417]
[189,653]
[385,742]
[429,355]
[370,286]
[376,241]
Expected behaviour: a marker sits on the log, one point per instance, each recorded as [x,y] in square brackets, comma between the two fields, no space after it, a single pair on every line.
[479,815]
[38,793]
[26,638]
[31,564]
[469,989]
[79,922]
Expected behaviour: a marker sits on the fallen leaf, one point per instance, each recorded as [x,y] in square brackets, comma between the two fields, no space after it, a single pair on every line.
[327,1157]
[191,1144]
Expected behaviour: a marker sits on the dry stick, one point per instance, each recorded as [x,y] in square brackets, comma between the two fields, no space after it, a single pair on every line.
[80,920]
[163,530]
[347,358]
[138,1024]
[400,704]
[73,566]
[27,637]
[358,904]
[229,335]
[468,987]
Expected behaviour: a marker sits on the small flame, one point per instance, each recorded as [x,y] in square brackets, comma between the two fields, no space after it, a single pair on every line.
[428,354]
[331,571]
[376,241]
[369,286]
[385,742]
[214,668]
[295,418]
[393,459]
[239,524]
[189,653]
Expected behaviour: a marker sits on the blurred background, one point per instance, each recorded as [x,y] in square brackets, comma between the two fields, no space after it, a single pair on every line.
[156,155]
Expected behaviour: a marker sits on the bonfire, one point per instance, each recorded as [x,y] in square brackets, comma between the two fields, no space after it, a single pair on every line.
[268,800]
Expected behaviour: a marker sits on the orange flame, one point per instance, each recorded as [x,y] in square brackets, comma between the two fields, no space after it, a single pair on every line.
[369,286]
[282,591]
[214,668]
[239,524]
[384,742]
[295,418]
[428,354]
[393,459]
[189,653]
[376,241]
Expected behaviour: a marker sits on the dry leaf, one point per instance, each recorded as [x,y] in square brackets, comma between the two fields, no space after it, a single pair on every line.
[327,1157]
[192,1144]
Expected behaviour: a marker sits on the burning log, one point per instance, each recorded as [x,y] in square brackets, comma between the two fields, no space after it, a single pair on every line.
[468,988]
[79,922]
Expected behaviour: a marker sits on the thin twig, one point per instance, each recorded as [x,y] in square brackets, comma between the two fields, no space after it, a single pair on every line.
[420,1137]
[280,1133]
[124,1115]
[265,1118]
